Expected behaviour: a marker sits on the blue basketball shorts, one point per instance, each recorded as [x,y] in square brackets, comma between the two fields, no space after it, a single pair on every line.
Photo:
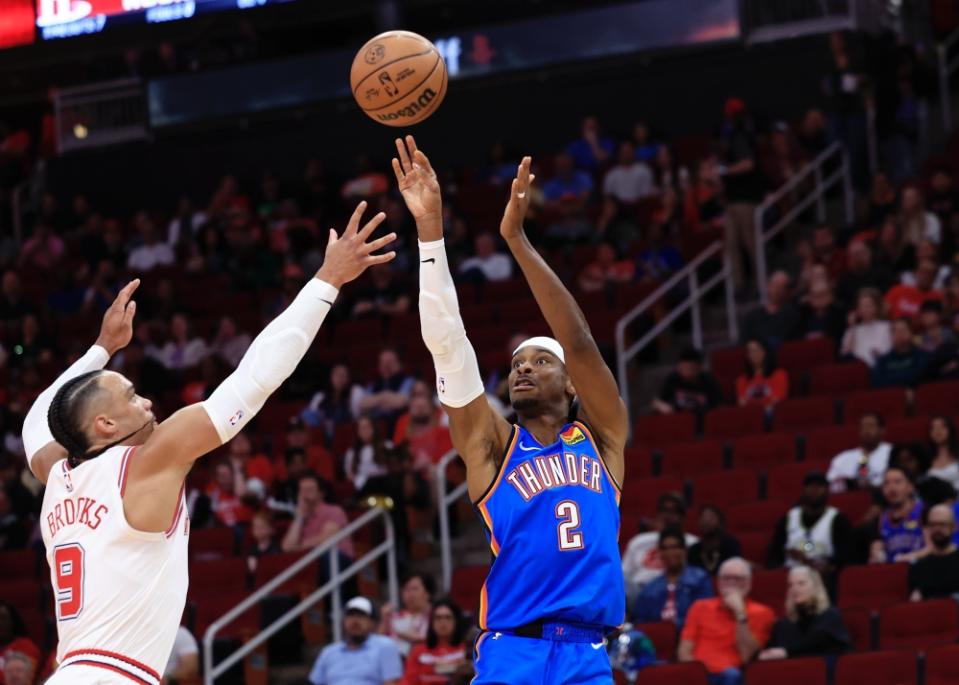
[503,659]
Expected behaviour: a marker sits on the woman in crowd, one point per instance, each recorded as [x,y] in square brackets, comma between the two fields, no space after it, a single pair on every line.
[811,627]
[944,450]
[264,539]
[869,335]
[443,655]
[408,623]
[762,383]
[366,458]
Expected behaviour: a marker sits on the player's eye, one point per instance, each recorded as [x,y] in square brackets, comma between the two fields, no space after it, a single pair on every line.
[541,360]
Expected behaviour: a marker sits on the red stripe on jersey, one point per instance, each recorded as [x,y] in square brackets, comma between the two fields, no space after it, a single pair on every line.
[123,467]
[126,469]
[100,664]
[179,512]
[113,655]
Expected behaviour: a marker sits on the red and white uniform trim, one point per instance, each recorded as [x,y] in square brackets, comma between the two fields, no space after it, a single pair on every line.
[117,663]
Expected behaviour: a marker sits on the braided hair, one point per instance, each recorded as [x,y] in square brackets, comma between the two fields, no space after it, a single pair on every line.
[66,413]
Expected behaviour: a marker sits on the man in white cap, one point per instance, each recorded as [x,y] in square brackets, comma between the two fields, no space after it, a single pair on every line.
[360,658]
[547,488]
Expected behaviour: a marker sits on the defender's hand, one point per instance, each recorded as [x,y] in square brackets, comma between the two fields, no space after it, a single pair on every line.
[116,331]
[349,255]
[512,224]
[418,183]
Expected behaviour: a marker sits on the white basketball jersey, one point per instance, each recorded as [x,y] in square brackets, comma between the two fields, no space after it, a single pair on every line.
[119,592]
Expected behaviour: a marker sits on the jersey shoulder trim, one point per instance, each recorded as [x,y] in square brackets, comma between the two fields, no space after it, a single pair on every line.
[602,460]
[134,670]
[507,453]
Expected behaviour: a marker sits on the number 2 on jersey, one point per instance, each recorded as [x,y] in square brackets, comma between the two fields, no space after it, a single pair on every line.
[69,573]
[569,538]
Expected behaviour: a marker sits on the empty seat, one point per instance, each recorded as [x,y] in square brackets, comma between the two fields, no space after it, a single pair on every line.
[24,593]
[727,362]
[889,404]
[833,380]
[660,430]
[688,459]
[826,443]
[907,430]
[209,609]
[936,398]
[639,462]
[731,422]
[640,495]
[769,588]
[693,673]
[809,671]
[873,586]
[212,542]
[853,504]
[19,563]
[918,625]
[726,488]
[755,517]
[270,566]
[877,668]
[754,547]
[217,576]
[803,413]
[764,450]
[784,483]
[663,636]
[803,355]
[858,622]
[942,665]
[466,586]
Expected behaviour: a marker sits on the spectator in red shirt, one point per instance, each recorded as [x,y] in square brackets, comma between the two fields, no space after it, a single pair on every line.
[226,493]
[905,301]
[13,637]
[251,466]
[762,383]
[443,655]
[422,429]
[606,270]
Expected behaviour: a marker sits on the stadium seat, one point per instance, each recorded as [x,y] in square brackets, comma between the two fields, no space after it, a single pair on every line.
[942,665]
[209,609]
[764,450]
[826,443]
[37,625]
[908,430]
[803,355]
[833,380]
[732,422]
[877,668]
[271,565]
[727,362]
[19,563]
[25,593]
[693,673]
[660,430]
[466,586]
[918,625]
[639,496]
[810,671]
[853,504]
[639,462]
[726,488]
[212,543]
[688,459]
[784,483]
[754,547]
[803,413]
[889,404]
[859,625]
[769,588]
[936,398]
[217,576]
[755,517]
[664,637]
[873,586]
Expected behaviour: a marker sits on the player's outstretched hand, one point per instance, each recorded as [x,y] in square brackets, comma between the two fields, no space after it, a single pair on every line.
[417,181]
[512,224]
[117,327]
[349,255]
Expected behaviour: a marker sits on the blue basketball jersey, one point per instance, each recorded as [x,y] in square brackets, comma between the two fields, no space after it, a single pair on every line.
[552,519]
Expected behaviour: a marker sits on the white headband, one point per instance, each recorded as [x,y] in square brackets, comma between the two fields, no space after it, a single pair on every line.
[544,342]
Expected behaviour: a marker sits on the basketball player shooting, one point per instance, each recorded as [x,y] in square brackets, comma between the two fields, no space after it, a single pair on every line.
[113,518]
[546,489]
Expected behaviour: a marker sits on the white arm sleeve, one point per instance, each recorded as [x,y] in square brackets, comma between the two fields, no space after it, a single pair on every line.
[271,358]
[458,380]
[36,429]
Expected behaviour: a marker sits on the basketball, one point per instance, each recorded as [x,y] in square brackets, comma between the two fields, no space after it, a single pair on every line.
[398,78]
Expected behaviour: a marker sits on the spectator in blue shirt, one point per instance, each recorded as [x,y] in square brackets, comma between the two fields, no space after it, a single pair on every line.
[669,596]
[360,658]
[566,195]
[592,151]
[904,364]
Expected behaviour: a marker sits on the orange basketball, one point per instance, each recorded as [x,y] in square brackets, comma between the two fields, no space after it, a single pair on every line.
[398,78]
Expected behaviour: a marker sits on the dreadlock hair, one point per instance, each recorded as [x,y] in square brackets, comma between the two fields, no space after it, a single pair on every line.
[66,413]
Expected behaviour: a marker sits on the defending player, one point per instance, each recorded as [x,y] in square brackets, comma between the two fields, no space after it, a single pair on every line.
[546,489]
[113,518]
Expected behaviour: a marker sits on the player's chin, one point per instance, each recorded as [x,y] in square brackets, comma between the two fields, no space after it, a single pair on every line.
[524,402]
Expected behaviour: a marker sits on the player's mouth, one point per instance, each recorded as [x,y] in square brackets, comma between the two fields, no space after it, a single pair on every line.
[524,384]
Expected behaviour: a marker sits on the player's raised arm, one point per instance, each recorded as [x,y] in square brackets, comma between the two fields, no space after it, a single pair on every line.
[478,432]
[594,383]
[116,331]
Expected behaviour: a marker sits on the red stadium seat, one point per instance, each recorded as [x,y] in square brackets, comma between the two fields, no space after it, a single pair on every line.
[873,586]
[24,593]
[889,404]
[693,673]
[727,362]
[784,482]
[936,398]
[343,437]
[803,355]
[660,430]
[833,380]
[769,588]
[853,504]
[787,672]
[639,462]
[877,668]
[918,625]
[212,543]
[826,443]
[217,576]
[908,430]
[37,625]
[942,665]
[19,563]
[466,586]
[663,636]
[802,413]
[754,547]
[764,451]
[640,495]
[209,609]
[688,459]
[726,488]
[271,565]
[858,622]
[755,517]
[732,422]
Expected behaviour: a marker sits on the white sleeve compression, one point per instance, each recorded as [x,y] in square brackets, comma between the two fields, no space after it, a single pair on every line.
[36,429]
[270,360]
[458,380]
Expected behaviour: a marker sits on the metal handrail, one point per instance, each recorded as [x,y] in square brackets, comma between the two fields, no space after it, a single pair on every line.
[337,578]
[443,500]
[947,67]
[693,301]
[814,169]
